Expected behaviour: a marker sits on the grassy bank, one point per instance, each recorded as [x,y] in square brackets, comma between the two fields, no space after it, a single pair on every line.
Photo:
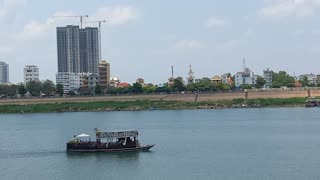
[146,105]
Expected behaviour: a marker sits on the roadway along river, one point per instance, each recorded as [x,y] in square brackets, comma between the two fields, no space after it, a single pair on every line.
[242,144]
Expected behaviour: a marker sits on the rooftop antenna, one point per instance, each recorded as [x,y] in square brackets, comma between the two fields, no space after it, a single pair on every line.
[172,71]
[244,63]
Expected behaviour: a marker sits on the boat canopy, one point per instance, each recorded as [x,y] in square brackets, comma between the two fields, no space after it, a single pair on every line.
[83,135]
[120,134]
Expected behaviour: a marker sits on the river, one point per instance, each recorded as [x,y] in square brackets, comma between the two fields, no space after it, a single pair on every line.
[242,144]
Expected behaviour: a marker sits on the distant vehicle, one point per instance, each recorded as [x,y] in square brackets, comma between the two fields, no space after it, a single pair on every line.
[119,141]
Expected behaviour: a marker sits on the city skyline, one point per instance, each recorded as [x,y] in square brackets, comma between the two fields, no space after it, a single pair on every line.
[139,40]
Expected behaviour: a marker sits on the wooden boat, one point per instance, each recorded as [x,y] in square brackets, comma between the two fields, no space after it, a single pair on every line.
[312,102]
[118,141]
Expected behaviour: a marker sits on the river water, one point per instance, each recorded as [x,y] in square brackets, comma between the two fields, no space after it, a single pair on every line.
[242,144]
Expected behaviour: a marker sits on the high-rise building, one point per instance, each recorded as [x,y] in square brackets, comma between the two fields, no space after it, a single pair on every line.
[89,50]
[78,49]
[4,72]
[68,43]
[31,73]
[104,74]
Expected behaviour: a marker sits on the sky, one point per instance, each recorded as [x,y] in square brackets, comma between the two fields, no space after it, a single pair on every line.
[144,38]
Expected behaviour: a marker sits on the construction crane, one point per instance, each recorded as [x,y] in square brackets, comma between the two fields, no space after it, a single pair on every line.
[99,22]
[80,16]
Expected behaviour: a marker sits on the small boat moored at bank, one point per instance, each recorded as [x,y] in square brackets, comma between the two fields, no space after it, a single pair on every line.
[118,141]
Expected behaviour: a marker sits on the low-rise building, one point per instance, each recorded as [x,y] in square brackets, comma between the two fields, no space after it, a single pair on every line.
[124,84]
[216,80]
[70,81]
[104,74]
[312,78]
[141,81]
[93,80]
[171,81]
[241,78]
[31,73]
[114,82]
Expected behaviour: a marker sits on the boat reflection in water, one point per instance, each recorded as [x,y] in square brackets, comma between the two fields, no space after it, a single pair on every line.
[119,141]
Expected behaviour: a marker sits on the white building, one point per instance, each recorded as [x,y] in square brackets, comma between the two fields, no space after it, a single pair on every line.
[312,78]
[70,81]
[242,78]
[31,73]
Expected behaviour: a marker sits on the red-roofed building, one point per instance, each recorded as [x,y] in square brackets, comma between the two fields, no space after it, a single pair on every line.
[122,85]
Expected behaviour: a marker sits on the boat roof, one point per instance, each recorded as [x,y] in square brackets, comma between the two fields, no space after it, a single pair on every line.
[117,134]
[82,135]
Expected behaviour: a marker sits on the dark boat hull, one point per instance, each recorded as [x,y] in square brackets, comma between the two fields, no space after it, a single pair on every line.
[109,150]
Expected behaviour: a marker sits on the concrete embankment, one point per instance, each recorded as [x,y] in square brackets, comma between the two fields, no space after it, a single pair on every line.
[171,97]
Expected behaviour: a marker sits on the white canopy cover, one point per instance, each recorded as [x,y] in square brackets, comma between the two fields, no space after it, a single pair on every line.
[83,135]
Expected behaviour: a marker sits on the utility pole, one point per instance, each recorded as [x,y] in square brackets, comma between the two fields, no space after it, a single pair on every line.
[80,16]
[99,22]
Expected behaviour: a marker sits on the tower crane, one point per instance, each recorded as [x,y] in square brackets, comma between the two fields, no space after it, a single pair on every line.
[80,16]
[99,22]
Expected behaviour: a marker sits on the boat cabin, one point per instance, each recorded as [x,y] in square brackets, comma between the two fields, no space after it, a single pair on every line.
[117,139]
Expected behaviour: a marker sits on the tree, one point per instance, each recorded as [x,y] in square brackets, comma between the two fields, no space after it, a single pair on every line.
[59,89]
[98,89]
[22,89]
[178,85]
[85,91]
[150,88]
[260,82]
[34,88]
[8,90]
[282,79]
[71,93]
[245,86]
[47,87]
[304,81]
[137,88]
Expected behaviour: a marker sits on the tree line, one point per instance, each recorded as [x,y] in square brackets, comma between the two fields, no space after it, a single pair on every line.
[48,88]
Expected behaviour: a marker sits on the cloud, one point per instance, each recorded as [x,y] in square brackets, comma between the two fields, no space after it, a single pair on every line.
[37,30]
[116,15]
[9,10]
[189,44]
[286,8]
[6,50]
[215,23]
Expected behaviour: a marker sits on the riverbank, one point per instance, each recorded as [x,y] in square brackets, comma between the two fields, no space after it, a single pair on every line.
[149,105]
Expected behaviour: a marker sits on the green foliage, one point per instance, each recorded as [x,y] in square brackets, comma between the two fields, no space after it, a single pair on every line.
[85,91]
[8,90]
[98,90]
[59,89]
[137,88]
[304,81]
[245,86]
[143,105]
[150,89]
[34,88]
[178,85]
[72,93]
[22,89]
[282,79]
[48,87]
[260,82]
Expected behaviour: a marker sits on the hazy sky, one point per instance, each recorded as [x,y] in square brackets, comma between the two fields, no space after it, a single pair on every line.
[143,38]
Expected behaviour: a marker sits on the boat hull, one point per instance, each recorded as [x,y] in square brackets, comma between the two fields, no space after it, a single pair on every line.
[110,150]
